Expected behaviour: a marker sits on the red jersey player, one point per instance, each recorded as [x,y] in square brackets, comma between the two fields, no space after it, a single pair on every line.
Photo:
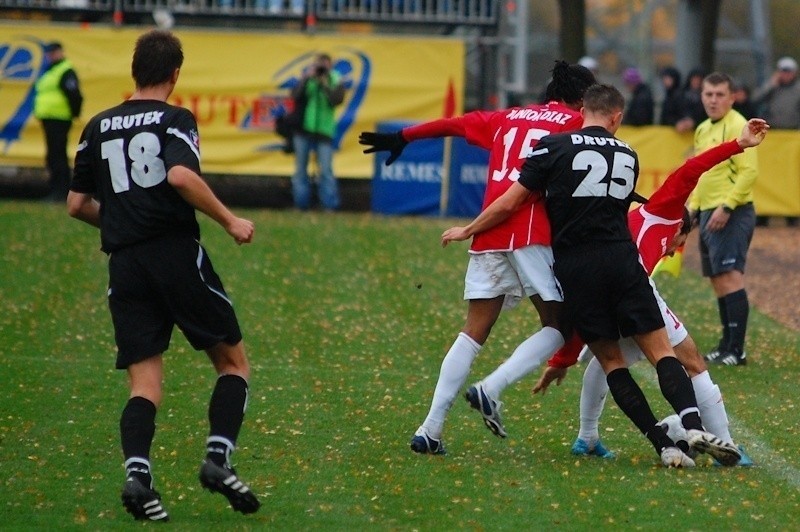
[511,261]
[659,227]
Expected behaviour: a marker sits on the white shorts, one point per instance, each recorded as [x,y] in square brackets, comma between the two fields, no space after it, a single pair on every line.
[676,332]
[514,274]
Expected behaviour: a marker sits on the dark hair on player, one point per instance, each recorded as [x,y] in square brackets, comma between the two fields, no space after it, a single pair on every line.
[603,99]
[156,56]
[719,78]
[569,82]
[686,228]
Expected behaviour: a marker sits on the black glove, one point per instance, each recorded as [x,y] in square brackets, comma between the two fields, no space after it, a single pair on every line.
[391,142]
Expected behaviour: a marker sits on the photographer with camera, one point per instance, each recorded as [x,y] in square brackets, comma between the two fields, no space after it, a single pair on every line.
[316,95]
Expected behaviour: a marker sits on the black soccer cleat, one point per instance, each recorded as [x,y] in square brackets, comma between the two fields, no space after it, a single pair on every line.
[729,358]
[223,479]
[142,502]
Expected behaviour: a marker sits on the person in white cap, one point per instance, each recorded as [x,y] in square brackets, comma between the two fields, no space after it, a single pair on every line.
[779,100]
[780,96]
[591,63]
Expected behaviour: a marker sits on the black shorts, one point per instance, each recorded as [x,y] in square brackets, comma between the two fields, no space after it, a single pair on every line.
[726,250]
[607,293]
[160,283]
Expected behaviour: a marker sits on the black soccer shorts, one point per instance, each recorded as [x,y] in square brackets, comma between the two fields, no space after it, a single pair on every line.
[160,283]
[606,291]
[726,250]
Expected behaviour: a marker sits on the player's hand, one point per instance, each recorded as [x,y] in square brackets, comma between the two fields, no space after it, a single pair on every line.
[718,220]
[454,234]
[684,124]
[241,230]
[549,375]
[753,133]
[394,143]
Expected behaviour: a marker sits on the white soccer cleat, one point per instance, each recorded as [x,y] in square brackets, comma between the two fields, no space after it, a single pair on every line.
[725,453]
[674,457]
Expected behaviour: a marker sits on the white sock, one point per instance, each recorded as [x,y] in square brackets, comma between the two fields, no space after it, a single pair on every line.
[593,399]
[712,409]
[528,356]
[452,376]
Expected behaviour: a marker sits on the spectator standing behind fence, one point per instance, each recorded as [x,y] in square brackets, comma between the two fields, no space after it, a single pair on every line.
[641,107]
[672,107]
[780,99]
[317,94]
[693,110]
[780,96]
[742,101]
[57,102]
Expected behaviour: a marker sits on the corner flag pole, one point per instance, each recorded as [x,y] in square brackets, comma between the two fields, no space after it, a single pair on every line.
[447,152]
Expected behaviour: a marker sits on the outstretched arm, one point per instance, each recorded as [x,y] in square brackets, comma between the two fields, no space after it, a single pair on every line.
[498,211]
[395,142]
[671,196]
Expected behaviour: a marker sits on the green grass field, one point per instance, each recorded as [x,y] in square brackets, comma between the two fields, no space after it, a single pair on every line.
[346,318]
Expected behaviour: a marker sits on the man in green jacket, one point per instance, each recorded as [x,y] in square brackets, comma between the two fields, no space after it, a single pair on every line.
[58,100]
[317,94]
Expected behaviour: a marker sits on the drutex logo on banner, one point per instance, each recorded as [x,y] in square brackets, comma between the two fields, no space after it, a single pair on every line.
[354,69]
[22,61]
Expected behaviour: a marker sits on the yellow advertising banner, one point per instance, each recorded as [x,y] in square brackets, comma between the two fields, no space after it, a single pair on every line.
[776,191]
[236,84]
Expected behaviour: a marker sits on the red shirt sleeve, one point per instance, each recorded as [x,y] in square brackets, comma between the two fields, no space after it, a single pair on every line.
[476,127]
[568,355]
[668,201]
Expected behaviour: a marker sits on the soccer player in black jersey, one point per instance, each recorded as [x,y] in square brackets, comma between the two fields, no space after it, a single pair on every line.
[137,178]
[588,178]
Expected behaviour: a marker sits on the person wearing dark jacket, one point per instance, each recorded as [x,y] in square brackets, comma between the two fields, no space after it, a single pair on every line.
[57,102]
[693,110]
[641,106]
[672,107]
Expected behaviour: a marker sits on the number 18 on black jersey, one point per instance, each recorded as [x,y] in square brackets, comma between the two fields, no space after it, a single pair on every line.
[123,158]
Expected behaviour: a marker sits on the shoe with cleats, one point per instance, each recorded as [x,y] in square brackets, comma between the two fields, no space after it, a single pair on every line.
[223,479]
[141,502]
[582,448]
[744,461]
[725,453]
[730,358]
[674,457]
[423,444]
[489,408]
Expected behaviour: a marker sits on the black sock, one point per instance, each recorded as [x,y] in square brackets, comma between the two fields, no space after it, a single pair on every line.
[738,309]
[723,319]
[225,415]
[137,426]
[633,403]
[676,387]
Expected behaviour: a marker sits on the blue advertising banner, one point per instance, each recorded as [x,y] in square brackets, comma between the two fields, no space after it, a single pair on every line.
[413,183]
[469,167]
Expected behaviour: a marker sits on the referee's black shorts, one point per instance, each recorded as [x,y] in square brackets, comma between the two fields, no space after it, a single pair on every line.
[607,293]
[157,284]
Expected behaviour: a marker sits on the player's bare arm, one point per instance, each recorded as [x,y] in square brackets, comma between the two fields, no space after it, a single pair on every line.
[753,133]
[199,195]
[499,210]
[84,207]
